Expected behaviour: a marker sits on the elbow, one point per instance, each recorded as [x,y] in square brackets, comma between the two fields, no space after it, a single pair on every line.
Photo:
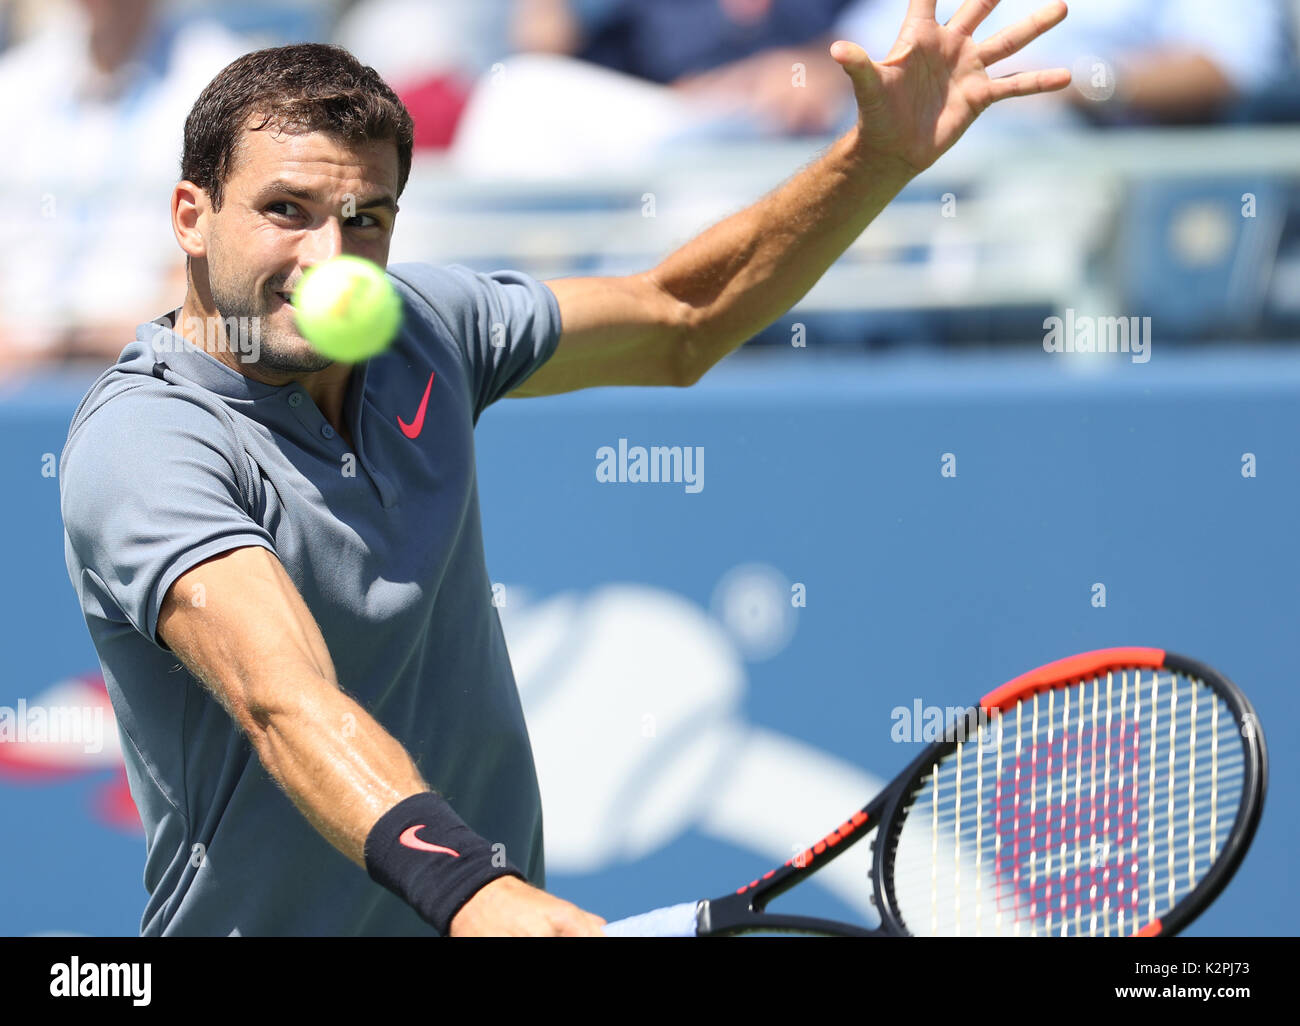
[686,371]
[689,357]
[679,326]
[266,711]
[277,730]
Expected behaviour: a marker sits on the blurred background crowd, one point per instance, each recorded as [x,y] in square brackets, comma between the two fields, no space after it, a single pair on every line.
[591,136]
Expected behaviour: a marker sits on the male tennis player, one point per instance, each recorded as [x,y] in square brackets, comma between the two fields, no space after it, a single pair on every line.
[280,558]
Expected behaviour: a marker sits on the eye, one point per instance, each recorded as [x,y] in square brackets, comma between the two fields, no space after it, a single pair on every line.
[284,208]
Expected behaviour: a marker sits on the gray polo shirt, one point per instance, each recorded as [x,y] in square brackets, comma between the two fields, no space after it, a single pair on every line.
[173,457]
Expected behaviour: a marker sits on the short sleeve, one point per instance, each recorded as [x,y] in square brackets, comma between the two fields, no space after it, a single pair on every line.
[150,485]
[506,324]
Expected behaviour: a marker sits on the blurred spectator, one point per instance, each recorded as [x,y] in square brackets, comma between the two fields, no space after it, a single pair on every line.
[429,51]
[93,144]
[266,23]
[759,68]
[603,85]
[1134,61]
[766,59]
[19,19]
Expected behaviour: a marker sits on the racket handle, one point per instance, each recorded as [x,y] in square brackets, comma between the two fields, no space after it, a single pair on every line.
[673,921]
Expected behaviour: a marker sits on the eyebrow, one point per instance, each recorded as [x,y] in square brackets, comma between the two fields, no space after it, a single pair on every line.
[280,186]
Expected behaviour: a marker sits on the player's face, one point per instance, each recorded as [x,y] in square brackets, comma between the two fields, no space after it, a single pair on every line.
[292,201]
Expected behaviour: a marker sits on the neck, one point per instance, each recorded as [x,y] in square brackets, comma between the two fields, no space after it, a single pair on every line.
[327,388]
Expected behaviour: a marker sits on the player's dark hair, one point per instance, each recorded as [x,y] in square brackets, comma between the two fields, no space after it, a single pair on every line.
[306,87]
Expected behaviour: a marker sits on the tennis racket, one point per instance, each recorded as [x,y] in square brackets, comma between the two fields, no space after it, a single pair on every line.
[1113,793]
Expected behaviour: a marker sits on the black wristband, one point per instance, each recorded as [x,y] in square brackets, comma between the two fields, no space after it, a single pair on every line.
[425,854]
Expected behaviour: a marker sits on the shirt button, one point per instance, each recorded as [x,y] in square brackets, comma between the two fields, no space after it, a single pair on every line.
[295,400]
[327,431]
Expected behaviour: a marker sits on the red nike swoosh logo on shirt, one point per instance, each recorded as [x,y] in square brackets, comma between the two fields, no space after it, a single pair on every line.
[413,429]
[409,839]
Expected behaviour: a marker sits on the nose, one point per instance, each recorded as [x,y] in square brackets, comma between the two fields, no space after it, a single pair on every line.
[322,243]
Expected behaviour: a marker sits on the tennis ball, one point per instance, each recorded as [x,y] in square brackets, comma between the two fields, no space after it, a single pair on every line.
[347,309]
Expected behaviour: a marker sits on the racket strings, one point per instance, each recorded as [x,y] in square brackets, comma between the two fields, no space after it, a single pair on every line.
[950,815]
[1090,809]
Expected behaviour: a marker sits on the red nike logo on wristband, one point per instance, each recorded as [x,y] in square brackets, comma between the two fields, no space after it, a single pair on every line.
[409,839]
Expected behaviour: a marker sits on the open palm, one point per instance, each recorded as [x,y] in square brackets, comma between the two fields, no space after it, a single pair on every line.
[918,101]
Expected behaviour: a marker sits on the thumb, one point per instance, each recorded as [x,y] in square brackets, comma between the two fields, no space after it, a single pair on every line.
[860,69]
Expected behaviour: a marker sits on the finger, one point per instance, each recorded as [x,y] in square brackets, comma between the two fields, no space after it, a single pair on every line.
[1018,36]
[922,9]
[860,69]
[1029,83]
[568,920]
[971,15]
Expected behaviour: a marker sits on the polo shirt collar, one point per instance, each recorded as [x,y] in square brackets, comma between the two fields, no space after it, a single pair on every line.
[157,342]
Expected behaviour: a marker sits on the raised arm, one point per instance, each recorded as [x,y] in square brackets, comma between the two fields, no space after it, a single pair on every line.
[668,326]
[255,645]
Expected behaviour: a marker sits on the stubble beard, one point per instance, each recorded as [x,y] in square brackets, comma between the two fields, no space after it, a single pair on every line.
[280,350]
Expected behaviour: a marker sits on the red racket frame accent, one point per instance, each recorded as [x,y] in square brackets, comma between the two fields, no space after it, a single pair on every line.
[805,858]
[1069,670]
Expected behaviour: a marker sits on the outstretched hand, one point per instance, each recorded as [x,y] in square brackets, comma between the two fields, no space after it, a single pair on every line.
[918,101]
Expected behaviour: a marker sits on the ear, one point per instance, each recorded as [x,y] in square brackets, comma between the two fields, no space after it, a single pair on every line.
[190,213]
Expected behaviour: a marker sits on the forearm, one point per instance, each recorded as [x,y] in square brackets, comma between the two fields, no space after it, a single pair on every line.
[745,272]
[336,763]
[240,627]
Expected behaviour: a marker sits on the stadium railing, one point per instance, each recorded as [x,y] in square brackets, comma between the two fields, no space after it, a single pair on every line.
[1049,221]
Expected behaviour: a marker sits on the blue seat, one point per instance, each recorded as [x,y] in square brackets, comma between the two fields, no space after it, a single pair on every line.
[1191,260]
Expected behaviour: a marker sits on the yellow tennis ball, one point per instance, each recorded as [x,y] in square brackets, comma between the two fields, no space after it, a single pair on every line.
[347,309]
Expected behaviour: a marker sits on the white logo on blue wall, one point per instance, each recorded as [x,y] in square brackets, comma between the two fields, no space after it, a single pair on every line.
[591,667]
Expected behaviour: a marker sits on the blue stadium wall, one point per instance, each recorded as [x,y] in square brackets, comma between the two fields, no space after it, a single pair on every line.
[711,670]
